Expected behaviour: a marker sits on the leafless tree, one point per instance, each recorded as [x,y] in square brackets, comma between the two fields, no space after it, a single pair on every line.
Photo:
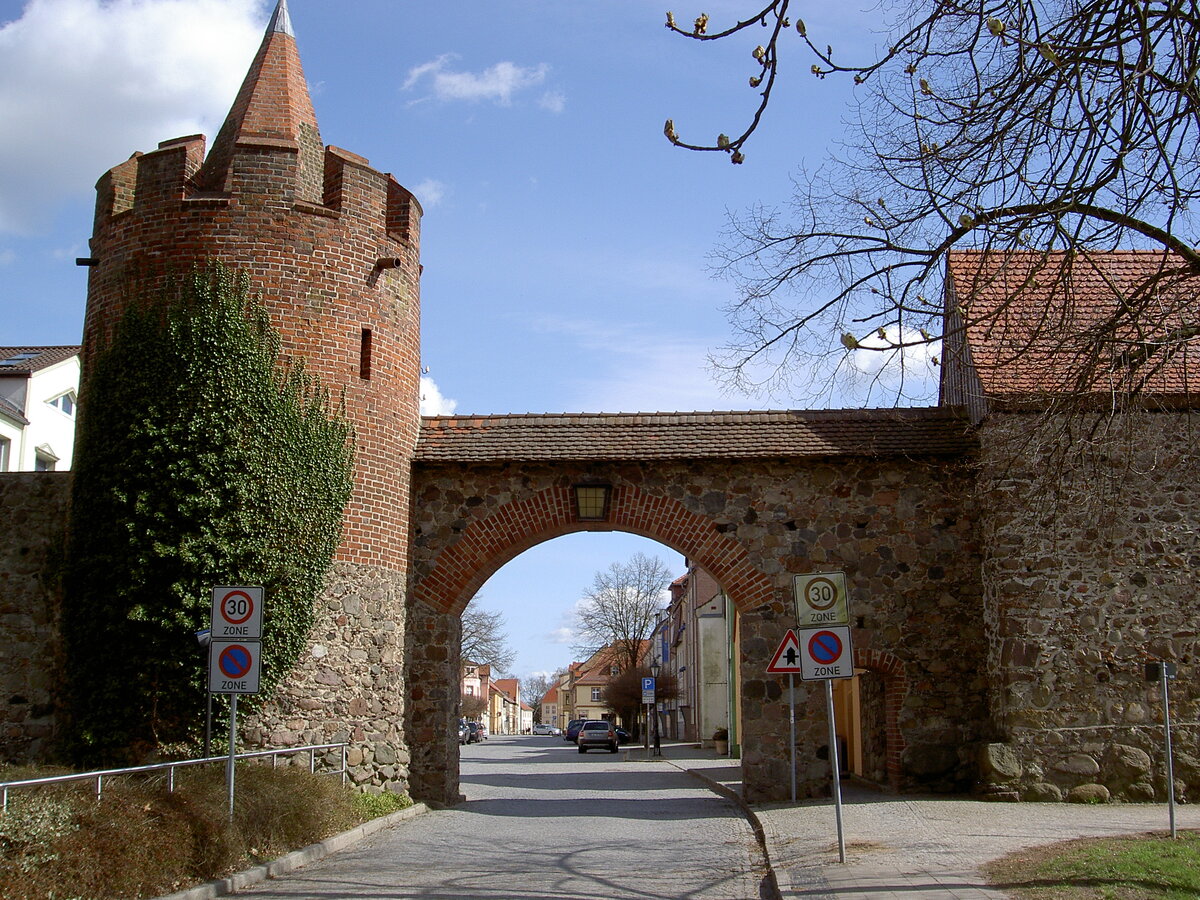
[534,688]
[484,640]
[620,608]
[1049,132]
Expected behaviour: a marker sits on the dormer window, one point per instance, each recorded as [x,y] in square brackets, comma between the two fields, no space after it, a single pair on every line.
[65,403]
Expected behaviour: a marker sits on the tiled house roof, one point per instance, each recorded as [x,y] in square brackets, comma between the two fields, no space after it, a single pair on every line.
[694,435]
[1033,320]
[27,360]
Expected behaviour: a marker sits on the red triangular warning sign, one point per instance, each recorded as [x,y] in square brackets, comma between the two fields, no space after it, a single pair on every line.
[787,658]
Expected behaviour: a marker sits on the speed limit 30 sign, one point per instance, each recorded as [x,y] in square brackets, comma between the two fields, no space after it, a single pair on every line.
[821,599]
[237,613]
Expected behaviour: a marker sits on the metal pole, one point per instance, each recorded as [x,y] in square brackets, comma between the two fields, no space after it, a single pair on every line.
[837,773]
[792,727]
[647,731]
[232,750]
[208,727]
[1170,761]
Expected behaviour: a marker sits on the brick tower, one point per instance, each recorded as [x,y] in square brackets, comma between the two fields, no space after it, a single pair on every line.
[333,247]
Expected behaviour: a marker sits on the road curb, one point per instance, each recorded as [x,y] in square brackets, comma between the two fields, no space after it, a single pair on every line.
[769,887]
[294,860]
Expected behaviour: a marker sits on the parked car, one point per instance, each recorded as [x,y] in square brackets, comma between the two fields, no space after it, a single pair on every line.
[623,736]
[473,737]
[464,732]
[544,728]
[572,730]
[597,733]
[482,732]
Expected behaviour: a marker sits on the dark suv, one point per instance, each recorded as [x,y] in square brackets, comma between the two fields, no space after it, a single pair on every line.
[597,733]
[572,730]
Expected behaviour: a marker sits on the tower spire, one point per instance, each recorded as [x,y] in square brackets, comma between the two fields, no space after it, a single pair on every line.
[273,108]
[280,21]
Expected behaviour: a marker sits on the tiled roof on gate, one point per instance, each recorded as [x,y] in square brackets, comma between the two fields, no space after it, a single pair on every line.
[694,435]
[1037,321]
[35,358]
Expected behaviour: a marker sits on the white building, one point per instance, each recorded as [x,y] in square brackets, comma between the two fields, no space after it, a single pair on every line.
[39,390]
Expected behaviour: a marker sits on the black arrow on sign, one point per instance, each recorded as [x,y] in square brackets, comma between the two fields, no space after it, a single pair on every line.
[790,656]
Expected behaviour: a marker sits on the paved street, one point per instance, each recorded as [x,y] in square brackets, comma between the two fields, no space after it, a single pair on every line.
[544,822]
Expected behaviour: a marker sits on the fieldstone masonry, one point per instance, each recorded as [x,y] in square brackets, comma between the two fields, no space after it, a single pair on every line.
[34,508]
[1089,570]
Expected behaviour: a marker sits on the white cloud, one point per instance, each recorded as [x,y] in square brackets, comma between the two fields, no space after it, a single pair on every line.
[432,401]
[498,84]
[554,101]
[561,636]
[429,192]
[84,83]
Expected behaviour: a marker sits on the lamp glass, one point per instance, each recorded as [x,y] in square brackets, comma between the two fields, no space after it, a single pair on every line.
[591,501]
[654,667]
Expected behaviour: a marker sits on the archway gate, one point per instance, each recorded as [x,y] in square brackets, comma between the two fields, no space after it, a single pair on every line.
[753,498]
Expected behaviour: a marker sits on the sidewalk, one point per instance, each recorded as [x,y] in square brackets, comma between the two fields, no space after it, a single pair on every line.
[908,846]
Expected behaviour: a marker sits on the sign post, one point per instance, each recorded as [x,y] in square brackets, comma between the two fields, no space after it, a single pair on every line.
[234,656]
[1164,671]
[787,659]
[823,614]
[648,699]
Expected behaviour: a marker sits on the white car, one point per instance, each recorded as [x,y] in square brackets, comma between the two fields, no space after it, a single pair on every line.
[542,728]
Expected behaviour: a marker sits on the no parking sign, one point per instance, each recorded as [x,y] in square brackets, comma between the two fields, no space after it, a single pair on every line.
[826,653]
[233,667]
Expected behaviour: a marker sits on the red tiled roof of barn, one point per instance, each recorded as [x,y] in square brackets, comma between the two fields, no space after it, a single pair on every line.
[1034,318]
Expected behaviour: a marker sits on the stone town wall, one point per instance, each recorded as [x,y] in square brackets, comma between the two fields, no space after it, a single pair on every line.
[1090,571]
[349,685]
[33,507]
[902,530]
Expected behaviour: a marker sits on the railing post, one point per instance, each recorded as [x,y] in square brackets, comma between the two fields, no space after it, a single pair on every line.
[343,765]
[99,785]
[170,779]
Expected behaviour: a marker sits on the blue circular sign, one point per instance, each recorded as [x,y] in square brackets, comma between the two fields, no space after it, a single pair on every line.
[825,647]
[235,661]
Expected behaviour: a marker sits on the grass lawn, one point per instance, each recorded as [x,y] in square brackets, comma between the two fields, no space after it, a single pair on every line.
[1143,867]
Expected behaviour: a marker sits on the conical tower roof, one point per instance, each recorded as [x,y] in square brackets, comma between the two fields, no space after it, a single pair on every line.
[272,109]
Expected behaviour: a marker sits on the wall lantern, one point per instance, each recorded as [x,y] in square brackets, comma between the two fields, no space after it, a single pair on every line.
[591,502]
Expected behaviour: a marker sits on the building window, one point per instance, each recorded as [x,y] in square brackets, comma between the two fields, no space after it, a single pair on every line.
[595,695]
[614,671]
[65,403]
[5,447]
[470,691]
[43,463]
[364,354]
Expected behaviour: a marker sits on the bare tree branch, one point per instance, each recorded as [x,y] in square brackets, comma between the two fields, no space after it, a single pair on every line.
[620,608]
[1066,128]
[484,640]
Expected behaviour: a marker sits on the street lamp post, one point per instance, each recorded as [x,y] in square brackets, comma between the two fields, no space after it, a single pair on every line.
[654,670]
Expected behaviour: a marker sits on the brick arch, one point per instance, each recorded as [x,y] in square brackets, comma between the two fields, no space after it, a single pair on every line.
[895,689]
[484,546]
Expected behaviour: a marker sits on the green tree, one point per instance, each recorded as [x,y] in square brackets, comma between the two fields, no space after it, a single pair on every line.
[1052,131]
[201,460]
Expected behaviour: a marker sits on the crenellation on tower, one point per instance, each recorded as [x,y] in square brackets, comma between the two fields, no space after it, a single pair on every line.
[115,190]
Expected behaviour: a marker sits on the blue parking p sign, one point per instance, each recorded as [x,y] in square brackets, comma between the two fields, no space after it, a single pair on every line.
[647,690]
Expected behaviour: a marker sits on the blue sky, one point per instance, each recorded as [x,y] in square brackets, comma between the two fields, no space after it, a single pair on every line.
[565,241]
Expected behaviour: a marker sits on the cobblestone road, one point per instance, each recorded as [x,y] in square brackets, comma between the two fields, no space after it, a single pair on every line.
[543,822]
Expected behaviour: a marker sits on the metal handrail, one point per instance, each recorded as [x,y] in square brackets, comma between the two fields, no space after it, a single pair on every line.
[170,767]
